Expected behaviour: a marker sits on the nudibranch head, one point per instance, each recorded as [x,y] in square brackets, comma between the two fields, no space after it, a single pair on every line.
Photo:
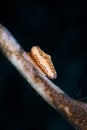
[43,61]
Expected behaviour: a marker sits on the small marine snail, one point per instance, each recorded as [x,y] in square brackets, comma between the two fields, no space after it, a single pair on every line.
[43,61]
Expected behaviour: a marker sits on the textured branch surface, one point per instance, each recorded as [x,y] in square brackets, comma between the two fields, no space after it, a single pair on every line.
[74,111]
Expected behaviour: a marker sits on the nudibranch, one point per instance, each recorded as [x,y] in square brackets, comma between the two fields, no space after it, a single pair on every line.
[43,61]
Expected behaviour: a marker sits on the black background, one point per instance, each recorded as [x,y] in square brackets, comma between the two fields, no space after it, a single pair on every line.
[60,29]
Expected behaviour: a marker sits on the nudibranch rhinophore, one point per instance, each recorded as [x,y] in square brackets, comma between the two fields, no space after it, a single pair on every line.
[43,61]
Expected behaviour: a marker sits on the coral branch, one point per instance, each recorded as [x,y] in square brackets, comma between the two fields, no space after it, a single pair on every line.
[74,111]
